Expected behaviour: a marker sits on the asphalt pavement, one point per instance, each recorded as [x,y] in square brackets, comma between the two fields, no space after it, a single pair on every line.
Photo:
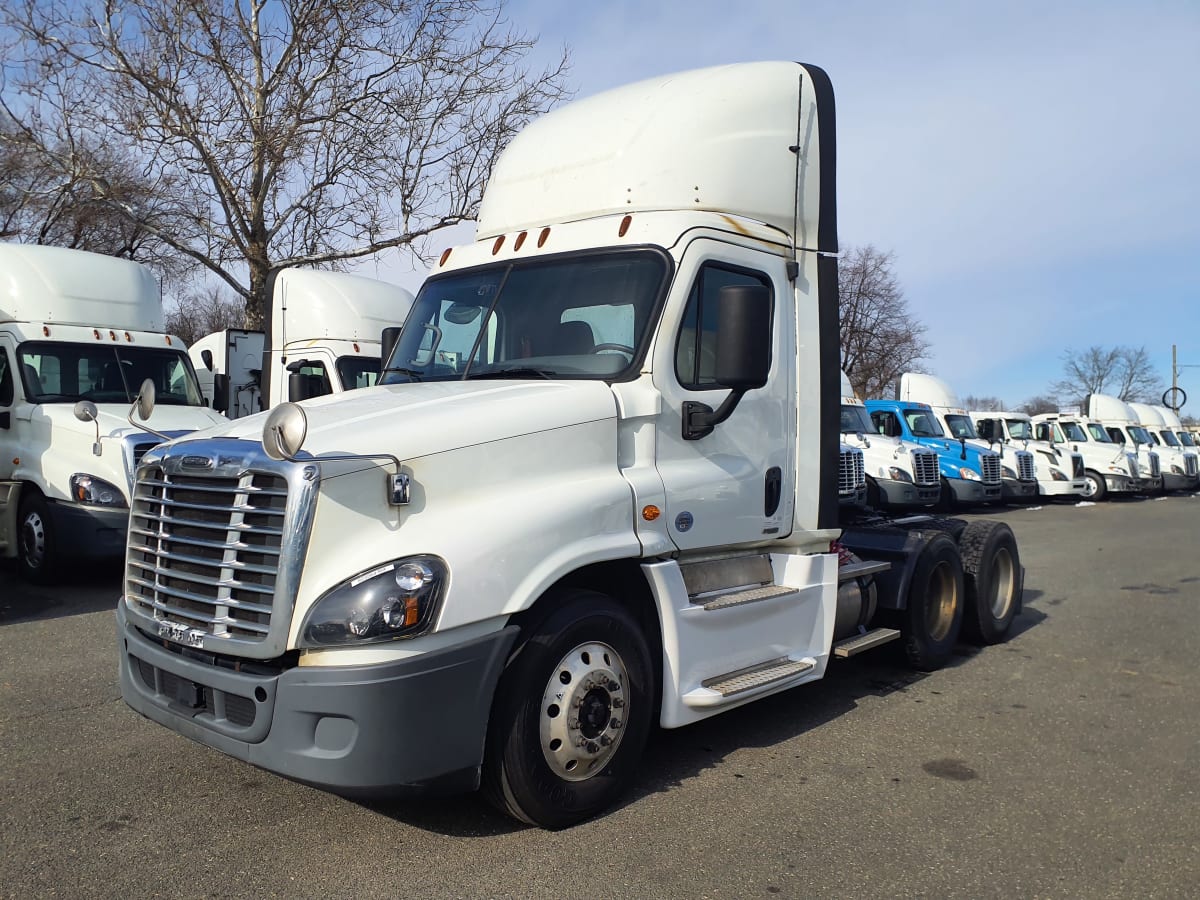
[1063,763]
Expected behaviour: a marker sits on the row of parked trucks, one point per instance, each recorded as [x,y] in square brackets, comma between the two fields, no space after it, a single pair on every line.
[596,486]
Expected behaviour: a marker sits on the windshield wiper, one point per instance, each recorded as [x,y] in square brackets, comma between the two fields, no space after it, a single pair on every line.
[411,373]
[518,372]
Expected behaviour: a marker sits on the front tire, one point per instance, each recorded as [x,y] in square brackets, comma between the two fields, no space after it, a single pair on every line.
[571,715]
[1095,488]
[37,544]
[992,574]
[934,616]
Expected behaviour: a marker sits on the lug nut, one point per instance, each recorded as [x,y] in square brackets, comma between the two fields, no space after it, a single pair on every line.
[615,723]
[618,703]
[592,747]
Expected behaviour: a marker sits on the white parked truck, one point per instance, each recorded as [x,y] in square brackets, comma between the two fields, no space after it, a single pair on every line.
[596,490]
[79,334]
[1187,439]
[325,330]
[1058,473]
[899,474]
[1179,470]
[1121,423]
[1108,466]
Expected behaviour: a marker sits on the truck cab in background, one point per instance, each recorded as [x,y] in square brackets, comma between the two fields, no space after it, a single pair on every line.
[1108,466]
[899,474]
[80,333]
[1179,469]
[323,337]
[1058,473]
[1187,439]
[1121,423]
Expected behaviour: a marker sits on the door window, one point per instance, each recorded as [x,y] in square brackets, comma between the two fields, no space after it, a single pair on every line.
[696,346]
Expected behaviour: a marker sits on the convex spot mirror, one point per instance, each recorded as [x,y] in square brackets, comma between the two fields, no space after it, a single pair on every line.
[145,400]
[462,313]
[284,432]
[85,411]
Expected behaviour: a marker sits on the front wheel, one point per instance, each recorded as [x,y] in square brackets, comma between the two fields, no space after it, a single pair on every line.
[934,615]
[1094,487]
[572,713]
[37,546]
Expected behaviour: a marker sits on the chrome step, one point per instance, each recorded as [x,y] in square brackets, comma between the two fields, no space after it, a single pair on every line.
[743,680]
[750,595]
[860,642]
[862,569]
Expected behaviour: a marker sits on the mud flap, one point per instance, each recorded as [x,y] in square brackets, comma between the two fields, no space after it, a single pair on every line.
[10,496]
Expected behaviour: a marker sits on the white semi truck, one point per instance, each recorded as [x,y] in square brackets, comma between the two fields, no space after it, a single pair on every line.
[79,333]
[1108,466]
[899,474]
[1179,470]
[1187,439]
[595,491]
[1058,473]
[324,332]
[1121,423]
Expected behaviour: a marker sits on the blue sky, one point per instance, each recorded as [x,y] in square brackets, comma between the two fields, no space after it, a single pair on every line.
[1035,167]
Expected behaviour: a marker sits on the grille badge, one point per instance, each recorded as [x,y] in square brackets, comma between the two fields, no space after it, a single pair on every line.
[197,462]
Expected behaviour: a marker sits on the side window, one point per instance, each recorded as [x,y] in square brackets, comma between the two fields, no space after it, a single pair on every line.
[1042,432]
[6,379]
[696,346]
[316,380]
[1116,435]
[885,423]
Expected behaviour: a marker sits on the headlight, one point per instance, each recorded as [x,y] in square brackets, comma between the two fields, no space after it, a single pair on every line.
[1058,475]
[95,492]
[396,600]
[968,474]
[1008,473]
[899,475]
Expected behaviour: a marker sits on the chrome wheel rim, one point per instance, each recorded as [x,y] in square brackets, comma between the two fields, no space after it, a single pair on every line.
[1003,580]
[583,711]
[1090,489]
[943,600]
[33,540]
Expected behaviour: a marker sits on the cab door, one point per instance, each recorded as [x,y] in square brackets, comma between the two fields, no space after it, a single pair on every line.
[735,485]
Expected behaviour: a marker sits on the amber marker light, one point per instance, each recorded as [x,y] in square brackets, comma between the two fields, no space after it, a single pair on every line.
[112,335]
[128,339]
[520,240]
[445,256]
[168,337]
[651,512]
[356,346]
[625,223]
[96,333]
[496,246]
[543,236]
[46,330]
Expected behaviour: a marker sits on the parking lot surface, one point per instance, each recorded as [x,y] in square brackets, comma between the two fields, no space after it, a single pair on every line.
[1063,763]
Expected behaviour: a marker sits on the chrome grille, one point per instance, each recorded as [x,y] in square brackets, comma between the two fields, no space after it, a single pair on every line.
[1077,467]
[925,467]
[204,551]
[1155,469]
[1025,466]
[1134,471]
[989,464]
[1189,464]
[140,450]
[852,474]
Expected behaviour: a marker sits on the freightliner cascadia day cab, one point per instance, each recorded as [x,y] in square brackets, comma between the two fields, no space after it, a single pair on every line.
[852,477]
[1017,479]
[1171,420]
[1058,474]
[1107,465]
[325,330]
[1179,471]
[1121,423]
[595,491]
[899,474]
[79,334]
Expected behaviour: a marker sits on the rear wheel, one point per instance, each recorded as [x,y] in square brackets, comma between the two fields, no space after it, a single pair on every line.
[37,546]
[934,615]
[572,714]
[992,576]
[1094,487]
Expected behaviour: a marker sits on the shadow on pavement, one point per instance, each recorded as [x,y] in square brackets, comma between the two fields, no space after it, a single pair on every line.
[86,589]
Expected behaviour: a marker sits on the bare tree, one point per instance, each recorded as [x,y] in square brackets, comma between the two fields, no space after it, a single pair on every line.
[880,337]
[204,312]
[298,132]
[1124,372]
[1040,404]
[983,404]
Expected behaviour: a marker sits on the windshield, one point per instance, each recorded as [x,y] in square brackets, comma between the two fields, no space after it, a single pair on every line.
[1140,434]
[961,427]
[855,420]
[922,423]
[1167,438]
[580,316]
[358,371]
[1074,432]
[1186,439]
[54,372]
[1020,429]
[1098,433]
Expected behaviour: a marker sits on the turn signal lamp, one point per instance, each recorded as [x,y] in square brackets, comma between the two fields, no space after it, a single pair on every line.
[651,512]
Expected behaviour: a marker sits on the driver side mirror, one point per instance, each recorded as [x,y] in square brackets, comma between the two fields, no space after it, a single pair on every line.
[206,357]
[388,340]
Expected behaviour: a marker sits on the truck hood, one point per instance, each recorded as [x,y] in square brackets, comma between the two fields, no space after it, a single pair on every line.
[415,420]
[114,423]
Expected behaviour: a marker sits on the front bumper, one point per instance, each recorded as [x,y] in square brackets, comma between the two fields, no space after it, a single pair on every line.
[1063,488]
[1150,485]
[973,491]
[1012,489]
[409,726]
[904,493]
[1173,482]
[89,532]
